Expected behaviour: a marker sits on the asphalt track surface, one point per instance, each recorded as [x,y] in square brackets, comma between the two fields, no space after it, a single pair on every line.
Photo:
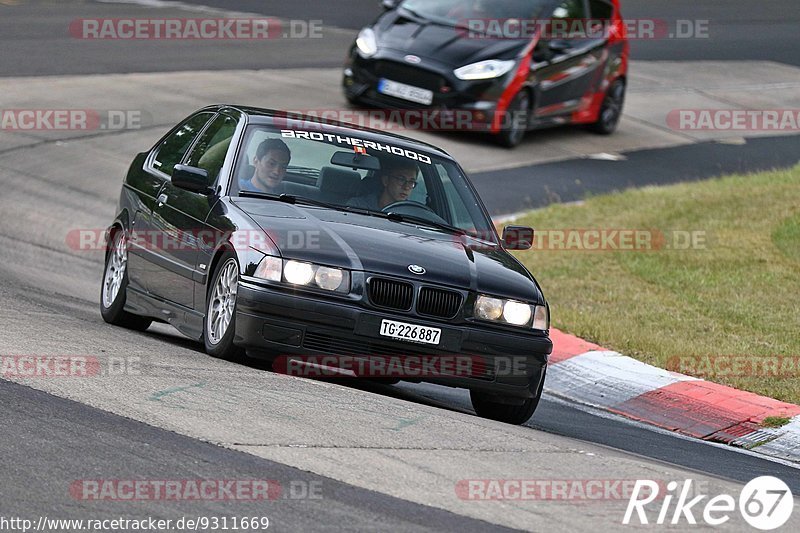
[35,40]
[737,29]
[49,441]
[575,179]
[47,427]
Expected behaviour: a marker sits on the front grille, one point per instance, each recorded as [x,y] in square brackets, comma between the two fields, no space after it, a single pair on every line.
[410,75]
[438,302]
[481,367]
[391,294]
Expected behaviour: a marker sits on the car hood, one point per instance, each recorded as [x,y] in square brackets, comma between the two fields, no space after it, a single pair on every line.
[443,44]
[381,246]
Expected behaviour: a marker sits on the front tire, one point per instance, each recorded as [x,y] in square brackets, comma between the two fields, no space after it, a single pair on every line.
[219,324]
[610,110]
[115,284]
[516,121]
[516,414]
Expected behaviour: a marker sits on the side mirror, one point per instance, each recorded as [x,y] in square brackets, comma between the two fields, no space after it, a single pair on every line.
[190,178]
[388,5]
[517,237]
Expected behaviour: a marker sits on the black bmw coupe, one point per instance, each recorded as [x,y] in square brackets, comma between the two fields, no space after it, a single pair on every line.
[327,248]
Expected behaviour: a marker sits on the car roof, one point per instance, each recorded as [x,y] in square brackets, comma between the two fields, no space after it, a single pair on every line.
[257,115]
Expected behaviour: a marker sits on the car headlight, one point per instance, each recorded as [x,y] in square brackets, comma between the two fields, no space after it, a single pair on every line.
[329,279]
[517,313]
[512,312]
[485,70]
[367,43]
[487,308]
[300,273]
[311,275]
[541,318]
[270,268]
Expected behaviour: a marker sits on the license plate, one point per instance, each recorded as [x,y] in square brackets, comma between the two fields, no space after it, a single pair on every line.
[410,332]
[406,92]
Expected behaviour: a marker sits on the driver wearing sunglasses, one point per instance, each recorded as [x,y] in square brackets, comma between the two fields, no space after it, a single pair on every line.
[398,177]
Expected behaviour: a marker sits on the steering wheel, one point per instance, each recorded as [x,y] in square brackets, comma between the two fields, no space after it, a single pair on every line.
[417,209]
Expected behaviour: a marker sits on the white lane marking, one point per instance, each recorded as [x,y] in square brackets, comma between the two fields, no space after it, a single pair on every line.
[734,141]
[605,156]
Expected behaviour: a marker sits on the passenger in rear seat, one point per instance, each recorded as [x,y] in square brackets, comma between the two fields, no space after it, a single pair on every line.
[271,161]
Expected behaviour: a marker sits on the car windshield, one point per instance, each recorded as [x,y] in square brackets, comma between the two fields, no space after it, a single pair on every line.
[459,12]
[315,165]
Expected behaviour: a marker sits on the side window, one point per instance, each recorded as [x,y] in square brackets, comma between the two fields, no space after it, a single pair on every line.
[210,151]
[171,151]
[458,213]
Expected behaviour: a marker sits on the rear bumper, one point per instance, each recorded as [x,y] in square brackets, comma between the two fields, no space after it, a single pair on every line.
[502,364]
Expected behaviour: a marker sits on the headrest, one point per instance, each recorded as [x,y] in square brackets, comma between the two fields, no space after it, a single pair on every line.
[338,181]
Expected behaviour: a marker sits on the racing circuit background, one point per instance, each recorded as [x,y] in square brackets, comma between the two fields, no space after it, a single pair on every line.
[348,456]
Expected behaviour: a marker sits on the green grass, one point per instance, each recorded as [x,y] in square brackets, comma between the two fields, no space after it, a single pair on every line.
[775,421]
[737,297]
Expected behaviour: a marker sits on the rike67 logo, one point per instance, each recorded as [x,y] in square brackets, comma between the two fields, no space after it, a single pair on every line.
[766,503]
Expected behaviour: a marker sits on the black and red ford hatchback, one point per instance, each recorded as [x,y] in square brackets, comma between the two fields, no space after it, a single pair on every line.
[508,66]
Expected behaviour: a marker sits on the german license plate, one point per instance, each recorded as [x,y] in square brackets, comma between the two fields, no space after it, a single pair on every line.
[405,92]
[410,332]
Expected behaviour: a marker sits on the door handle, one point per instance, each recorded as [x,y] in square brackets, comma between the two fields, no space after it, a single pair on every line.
[162,199]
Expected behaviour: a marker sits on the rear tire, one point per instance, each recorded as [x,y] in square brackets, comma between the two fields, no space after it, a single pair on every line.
[219,324]
[515,124]
[610,110]
[502,412]
[113,291]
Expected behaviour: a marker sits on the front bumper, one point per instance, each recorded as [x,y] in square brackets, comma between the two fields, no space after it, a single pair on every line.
[270,322]
[468,105]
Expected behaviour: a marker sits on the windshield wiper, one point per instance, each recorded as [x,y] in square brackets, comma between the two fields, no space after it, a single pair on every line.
[294,199]
[421,220]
